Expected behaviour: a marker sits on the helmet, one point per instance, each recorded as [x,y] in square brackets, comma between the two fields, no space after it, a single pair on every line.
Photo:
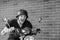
[22,12]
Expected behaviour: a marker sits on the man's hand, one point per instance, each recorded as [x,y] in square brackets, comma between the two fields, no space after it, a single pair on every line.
[11,29]
[26,30]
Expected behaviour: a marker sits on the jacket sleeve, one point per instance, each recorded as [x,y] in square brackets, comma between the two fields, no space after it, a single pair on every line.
[9,24]
[29,25]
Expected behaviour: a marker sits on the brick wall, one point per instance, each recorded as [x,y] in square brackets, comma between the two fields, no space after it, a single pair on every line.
[49,11]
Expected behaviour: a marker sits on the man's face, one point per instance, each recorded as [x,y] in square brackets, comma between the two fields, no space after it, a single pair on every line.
[22,18]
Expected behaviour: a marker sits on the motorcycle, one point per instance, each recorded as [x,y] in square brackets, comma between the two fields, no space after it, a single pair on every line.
[25,34]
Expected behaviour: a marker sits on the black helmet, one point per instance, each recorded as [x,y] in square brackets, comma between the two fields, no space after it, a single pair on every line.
[22,12]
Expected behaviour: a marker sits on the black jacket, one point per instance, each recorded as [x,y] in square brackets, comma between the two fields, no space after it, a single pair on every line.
[13,23]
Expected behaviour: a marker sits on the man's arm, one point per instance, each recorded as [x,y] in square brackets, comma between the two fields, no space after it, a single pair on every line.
[6,30]
[9,26]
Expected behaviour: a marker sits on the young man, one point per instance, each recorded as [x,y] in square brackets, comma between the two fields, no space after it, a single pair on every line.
[20,22]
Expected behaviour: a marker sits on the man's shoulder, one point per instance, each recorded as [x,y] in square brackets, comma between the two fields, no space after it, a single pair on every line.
[28,24]
[12,20]
[27,21]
